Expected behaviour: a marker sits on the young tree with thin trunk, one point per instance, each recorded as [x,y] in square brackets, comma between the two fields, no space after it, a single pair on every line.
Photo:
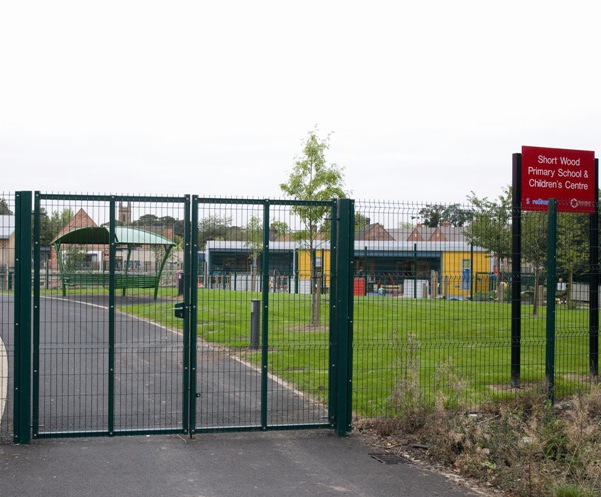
[312,178]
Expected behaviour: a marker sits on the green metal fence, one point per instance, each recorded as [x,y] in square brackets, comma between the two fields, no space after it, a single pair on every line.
[435,302]
[273,314]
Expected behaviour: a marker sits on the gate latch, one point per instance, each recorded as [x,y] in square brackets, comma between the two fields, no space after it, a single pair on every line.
[179,310]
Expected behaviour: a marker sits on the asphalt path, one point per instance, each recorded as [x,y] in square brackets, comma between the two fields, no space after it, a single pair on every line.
[272,464]
[148,376]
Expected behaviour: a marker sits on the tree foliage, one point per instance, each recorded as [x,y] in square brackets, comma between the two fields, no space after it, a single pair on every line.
[490,227]
[4,209]
[312,178]
[534,248]
[165,222]
[51,226]
[213,227]
[434,215]
[573,248]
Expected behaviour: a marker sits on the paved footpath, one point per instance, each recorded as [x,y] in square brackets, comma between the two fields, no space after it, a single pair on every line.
[274,464]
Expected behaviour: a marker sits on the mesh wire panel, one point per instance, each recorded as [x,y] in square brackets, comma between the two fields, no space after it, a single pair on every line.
[433,290]
[108,363]
[279,375]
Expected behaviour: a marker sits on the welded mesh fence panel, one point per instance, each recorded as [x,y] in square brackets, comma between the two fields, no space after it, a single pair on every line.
[71,343]
[149,343]
[432,318]
[574,351]
[277,372]
[102,362]
[7,263]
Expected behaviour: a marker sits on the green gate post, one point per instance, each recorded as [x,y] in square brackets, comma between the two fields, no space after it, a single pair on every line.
[37,231]
[343,339]
[112,315]
[265,318]
[190,323]
[22,325]
[551,286]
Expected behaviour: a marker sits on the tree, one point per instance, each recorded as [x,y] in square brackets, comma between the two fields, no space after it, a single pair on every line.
[278,229]
[534,248]
[361,223]
[4,210]
[434,215]
[147,221]
[572,248]
[213,227]
[74,258]
[490,228]
[50,226]
[255,244]
[312,178]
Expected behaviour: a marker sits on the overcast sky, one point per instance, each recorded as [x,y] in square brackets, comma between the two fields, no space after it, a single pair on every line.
[426,101]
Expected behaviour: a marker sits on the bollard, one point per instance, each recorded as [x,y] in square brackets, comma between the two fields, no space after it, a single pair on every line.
[255,323]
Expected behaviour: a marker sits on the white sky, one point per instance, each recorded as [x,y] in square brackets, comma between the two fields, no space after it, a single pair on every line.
[427,100]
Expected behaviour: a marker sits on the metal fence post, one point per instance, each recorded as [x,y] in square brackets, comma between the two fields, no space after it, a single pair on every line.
[344,312]
[333,341]
[189,325]
[516,270]
[551,287]
[22,324]
[112,315]
[594,282]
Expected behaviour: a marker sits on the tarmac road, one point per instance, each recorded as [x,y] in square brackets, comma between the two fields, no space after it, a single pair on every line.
[272,464]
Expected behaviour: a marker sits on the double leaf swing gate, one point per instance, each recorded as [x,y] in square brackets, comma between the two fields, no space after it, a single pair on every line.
[180,315]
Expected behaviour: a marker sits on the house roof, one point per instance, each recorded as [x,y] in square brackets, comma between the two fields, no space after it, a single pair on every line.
[444,233]
[374,231]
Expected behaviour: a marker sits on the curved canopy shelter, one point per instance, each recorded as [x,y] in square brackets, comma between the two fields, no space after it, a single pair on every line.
[126,238]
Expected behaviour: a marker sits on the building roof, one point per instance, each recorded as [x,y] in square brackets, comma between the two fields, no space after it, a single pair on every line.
[377,246]
[420,233]
[374,231]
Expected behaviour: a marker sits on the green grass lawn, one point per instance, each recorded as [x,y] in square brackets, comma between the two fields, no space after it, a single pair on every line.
[458,349]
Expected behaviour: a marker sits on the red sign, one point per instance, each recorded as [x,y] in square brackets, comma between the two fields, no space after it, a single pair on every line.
[565,175]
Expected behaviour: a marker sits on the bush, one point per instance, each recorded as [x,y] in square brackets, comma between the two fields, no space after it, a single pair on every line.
[526,446]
